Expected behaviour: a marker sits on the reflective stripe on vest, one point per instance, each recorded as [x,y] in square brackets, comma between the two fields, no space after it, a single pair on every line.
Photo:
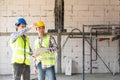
[46,58]
[16,58]
[20,49]
[20,55]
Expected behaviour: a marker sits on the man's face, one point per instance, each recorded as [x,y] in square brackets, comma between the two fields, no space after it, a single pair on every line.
[41,30]
[21,26]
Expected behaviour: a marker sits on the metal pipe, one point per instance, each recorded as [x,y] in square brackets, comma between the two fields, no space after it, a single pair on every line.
[55,33]
[102,25]
[102,39]
[83,53]
[114,38]
[107,28]
[91,51]
[98,54]
[100,57]
[72,35]
[93,48]
[96,47]
[119,52]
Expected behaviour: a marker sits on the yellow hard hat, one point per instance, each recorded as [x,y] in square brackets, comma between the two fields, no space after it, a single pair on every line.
[40,24]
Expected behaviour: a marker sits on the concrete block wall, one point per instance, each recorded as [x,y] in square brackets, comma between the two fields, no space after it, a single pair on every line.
[5,56]
[91,12]
[77,13]
[32,11]
[108,52]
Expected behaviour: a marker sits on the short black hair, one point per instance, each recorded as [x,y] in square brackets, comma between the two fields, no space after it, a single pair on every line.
[17,24]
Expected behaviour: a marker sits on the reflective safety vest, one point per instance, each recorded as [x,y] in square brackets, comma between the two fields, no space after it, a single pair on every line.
[21,49]
[47,59]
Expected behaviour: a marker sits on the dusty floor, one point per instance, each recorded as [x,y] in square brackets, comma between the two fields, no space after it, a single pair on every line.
[75,77]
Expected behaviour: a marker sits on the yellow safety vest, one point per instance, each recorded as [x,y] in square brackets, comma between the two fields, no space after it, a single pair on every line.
[47,59]
[21,49]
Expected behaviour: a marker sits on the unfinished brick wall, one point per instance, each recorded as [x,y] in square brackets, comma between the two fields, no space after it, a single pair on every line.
[32,11]
[91,12]
[77,13]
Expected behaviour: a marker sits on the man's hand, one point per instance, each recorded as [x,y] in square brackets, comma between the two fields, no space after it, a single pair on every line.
[35,55]
[35,71]
[30,53]
[33,26]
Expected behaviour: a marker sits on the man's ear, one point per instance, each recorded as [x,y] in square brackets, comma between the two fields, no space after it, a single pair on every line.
[16,28]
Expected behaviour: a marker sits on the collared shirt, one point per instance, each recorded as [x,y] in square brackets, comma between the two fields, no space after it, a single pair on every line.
[52,45]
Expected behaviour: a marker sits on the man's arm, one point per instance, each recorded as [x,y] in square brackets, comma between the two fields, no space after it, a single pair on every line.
[15,35]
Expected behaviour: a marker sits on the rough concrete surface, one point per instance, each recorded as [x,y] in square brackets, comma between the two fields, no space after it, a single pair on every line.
[74,77]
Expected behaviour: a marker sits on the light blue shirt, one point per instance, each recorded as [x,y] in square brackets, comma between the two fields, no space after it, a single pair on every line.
[15,35]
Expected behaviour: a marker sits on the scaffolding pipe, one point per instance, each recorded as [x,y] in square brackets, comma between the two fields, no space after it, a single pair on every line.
[106,28]
[91,51]
[102,26]
[83,53]
[114,38]
[102,39]
[96,51]
[100,58]
[96,48]
[56,33]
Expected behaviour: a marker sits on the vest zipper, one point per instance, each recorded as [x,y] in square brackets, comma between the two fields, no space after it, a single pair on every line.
[24,39]
[40,42]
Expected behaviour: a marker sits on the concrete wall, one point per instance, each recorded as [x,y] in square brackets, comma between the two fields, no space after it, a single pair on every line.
[91,12]
[77,13]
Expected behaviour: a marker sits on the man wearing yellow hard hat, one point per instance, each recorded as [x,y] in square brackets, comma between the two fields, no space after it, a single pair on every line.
[45,62]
